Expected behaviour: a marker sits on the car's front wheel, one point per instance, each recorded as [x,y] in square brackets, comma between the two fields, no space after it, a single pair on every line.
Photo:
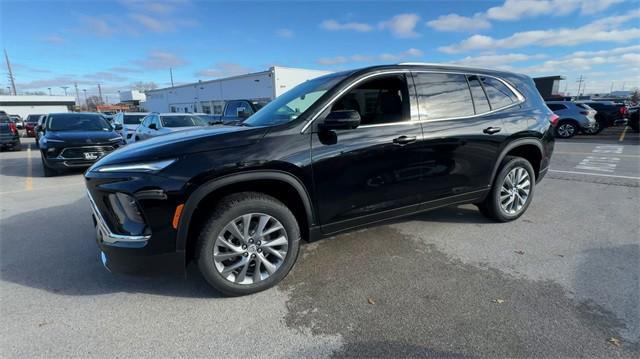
[512,190]
[249,244]
[48,171]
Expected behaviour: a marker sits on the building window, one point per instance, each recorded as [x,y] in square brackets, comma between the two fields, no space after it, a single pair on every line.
[218,106]
[205,107]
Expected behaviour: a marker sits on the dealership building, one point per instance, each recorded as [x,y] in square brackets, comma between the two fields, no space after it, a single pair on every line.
[210,96]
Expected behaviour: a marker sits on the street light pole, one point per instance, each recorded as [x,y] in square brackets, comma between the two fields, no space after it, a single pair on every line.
[86,105]
[65,89]
[49,90]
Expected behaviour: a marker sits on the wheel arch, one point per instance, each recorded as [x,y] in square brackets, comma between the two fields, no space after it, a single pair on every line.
[284,186]
[529,148]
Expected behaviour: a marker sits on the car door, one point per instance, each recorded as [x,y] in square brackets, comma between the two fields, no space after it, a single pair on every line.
[462,135]
[143,129]
[371,172]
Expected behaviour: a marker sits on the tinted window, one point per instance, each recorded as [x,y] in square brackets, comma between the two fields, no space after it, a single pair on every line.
[480,100]
[133,119]
[499,94]
[77,122]
[384,99]
[556,106]
[182,121]
[443,95]
[33,118]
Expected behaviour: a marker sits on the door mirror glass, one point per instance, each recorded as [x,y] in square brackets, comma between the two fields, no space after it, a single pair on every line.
[341,120]
[153,126]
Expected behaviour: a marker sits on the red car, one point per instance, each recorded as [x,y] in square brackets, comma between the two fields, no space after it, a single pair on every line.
[30,125]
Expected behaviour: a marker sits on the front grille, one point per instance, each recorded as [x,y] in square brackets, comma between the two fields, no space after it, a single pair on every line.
[78,153]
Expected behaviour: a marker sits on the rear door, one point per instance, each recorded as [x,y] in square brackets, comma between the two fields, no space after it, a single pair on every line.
[462,134]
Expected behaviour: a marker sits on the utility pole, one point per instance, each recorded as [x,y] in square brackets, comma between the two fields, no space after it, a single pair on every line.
[171,75]
[12,80]
[623,83]
[611,89]
[86,103]
[65,89]
[75,84]
[580,82]
[100,93]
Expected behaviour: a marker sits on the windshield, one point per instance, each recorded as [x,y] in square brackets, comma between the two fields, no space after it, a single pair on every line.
[33,118]
[288,106]
[133,119]
[78,122]
[182,121]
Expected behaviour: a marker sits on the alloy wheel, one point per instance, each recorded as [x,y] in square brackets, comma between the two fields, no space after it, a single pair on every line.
[515,190]
[250,248]
[566,130]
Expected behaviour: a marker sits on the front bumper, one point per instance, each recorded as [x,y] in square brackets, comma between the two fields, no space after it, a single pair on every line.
[152,253]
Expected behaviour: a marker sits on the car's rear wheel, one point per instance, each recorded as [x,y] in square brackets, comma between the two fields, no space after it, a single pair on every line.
[249,244]
[567,129]
[512,190]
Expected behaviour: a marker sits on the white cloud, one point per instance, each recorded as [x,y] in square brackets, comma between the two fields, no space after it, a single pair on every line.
[97,25]
[224,69]
[157,60]
[624,57]
[455,22]
[513,10]
[516,9]
[54,39]
[402,25]
[384,57]
[285,33]
[602,30]
[504,61]
[333,25]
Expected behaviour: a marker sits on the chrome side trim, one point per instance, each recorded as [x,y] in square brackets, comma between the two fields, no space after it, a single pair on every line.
[519,95]
[105,233]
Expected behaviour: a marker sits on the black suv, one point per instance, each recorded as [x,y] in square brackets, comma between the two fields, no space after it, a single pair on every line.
[338,152]
[75,139]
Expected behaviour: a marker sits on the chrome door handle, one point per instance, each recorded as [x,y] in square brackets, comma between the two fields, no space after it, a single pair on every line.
[403,140]
[492,130]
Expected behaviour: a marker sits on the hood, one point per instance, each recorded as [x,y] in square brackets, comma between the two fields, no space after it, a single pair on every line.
[85,138]
[179,143]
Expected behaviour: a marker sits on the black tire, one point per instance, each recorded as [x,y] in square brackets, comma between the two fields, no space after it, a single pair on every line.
[491,207]
[48,171]
[136,139]
[567,129]
[596,130]
[234,206]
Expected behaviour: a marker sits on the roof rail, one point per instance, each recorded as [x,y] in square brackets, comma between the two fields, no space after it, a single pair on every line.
[433,64]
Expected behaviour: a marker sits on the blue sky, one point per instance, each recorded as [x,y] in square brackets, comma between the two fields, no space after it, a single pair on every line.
[116,43]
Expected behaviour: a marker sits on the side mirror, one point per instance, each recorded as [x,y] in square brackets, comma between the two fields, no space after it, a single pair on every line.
[341,120]
[118,127]
[153,126]
[243,114]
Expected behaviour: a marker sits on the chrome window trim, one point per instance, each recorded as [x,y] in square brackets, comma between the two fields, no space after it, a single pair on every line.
[519,96]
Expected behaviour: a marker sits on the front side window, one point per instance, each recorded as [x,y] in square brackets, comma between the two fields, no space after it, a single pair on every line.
[556,107]
[499,94]
[182,121]
[78,122]
[133,119]
[443,95]
[293,103]
[384,99]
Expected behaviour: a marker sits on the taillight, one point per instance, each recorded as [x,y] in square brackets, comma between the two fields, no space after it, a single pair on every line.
[13,128]
[554,119]
[623,110]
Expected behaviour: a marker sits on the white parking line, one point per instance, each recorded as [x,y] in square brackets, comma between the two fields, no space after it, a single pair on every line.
[595,174]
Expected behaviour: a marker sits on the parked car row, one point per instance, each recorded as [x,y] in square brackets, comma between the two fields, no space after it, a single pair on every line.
[588,117]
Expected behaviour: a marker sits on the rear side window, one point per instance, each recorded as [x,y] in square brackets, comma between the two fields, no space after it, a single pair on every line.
[499,95]
[556,106]
[443,95]
[480,100]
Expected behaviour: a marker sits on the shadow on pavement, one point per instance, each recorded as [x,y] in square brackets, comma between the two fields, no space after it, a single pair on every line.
[54,249]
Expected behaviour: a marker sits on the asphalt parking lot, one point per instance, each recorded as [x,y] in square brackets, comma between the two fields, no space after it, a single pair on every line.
[562,281]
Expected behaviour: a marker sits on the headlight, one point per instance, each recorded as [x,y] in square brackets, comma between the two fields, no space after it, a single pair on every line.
[136,167]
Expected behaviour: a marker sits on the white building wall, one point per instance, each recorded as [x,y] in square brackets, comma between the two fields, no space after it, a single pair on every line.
[287,78]
[35,104]
[196,97]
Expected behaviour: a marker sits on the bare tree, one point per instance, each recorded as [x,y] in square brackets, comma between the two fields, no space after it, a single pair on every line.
[635,96]
[93,102]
